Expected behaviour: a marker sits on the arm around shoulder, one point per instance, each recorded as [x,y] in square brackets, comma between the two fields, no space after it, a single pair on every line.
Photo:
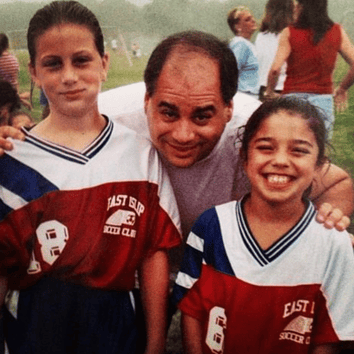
[333,187]
[9,132]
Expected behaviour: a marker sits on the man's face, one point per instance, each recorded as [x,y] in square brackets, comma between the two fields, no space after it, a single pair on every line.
[186,113]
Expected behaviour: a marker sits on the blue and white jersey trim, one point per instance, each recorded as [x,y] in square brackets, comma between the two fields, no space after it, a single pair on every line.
[264,257]
[74,156]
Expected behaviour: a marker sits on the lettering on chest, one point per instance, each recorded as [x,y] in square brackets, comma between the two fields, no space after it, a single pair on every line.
[123,220]
[299,328]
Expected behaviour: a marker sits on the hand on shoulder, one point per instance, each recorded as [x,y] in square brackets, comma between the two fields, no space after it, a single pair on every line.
[9,132]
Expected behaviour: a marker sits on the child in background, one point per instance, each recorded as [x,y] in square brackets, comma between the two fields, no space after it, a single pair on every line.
[9,102]
[84,206]
[261,275]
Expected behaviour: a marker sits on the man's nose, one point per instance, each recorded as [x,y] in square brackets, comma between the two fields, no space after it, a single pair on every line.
[183,131]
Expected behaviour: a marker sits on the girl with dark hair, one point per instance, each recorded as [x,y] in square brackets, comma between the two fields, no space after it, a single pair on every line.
[260,275]
[278,15]
[85,208]
[310,47]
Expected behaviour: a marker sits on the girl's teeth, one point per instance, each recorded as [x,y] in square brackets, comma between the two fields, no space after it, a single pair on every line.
[278,179]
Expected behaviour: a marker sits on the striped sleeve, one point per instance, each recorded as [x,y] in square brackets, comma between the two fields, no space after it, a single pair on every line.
[200,249]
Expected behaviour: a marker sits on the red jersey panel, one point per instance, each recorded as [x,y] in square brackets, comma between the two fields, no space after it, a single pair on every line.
[86,217]
[246,318]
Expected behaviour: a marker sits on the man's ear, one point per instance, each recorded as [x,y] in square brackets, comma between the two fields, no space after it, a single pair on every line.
[229,109]
[147,98]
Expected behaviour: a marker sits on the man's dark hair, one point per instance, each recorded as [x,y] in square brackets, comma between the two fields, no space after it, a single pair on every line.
[199,42]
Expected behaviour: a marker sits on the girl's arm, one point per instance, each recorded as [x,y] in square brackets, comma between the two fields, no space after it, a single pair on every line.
[153,277]
[281,57]
[3,290]
[341,93]
[191,335]
[326,349]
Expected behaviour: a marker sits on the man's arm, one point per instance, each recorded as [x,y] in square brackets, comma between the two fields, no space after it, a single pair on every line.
[153,277]
[3,291]
[333,195]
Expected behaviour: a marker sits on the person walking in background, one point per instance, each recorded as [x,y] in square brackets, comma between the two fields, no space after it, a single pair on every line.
[310,47]
[243,25]
[85,206]
[260,275]
[278,15]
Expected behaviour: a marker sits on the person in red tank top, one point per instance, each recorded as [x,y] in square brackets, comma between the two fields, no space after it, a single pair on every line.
[310,48]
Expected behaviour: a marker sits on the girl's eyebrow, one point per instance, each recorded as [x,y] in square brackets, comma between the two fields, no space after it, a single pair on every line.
[295,141]
[302,142]
[263,139]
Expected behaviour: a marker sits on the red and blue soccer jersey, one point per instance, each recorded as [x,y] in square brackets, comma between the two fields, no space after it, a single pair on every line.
[297,293]
[86,217]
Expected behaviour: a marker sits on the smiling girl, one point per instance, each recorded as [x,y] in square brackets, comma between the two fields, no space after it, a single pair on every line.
[261,275]
[84,206]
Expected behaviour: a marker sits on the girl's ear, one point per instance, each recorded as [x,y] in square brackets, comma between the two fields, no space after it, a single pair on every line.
[33,73]
[105,66]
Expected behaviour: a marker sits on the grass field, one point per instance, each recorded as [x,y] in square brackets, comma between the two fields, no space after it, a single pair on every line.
[121,73]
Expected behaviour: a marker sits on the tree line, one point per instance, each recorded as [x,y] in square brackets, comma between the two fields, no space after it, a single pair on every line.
[159,18]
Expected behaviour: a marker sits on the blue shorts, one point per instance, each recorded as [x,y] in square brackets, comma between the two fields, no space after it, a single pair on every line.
[55,317]
[324,102]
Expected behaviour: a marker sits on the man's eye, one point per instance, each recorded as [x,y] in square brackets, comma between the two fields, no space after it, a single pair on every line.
[202,118]
[169,114]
